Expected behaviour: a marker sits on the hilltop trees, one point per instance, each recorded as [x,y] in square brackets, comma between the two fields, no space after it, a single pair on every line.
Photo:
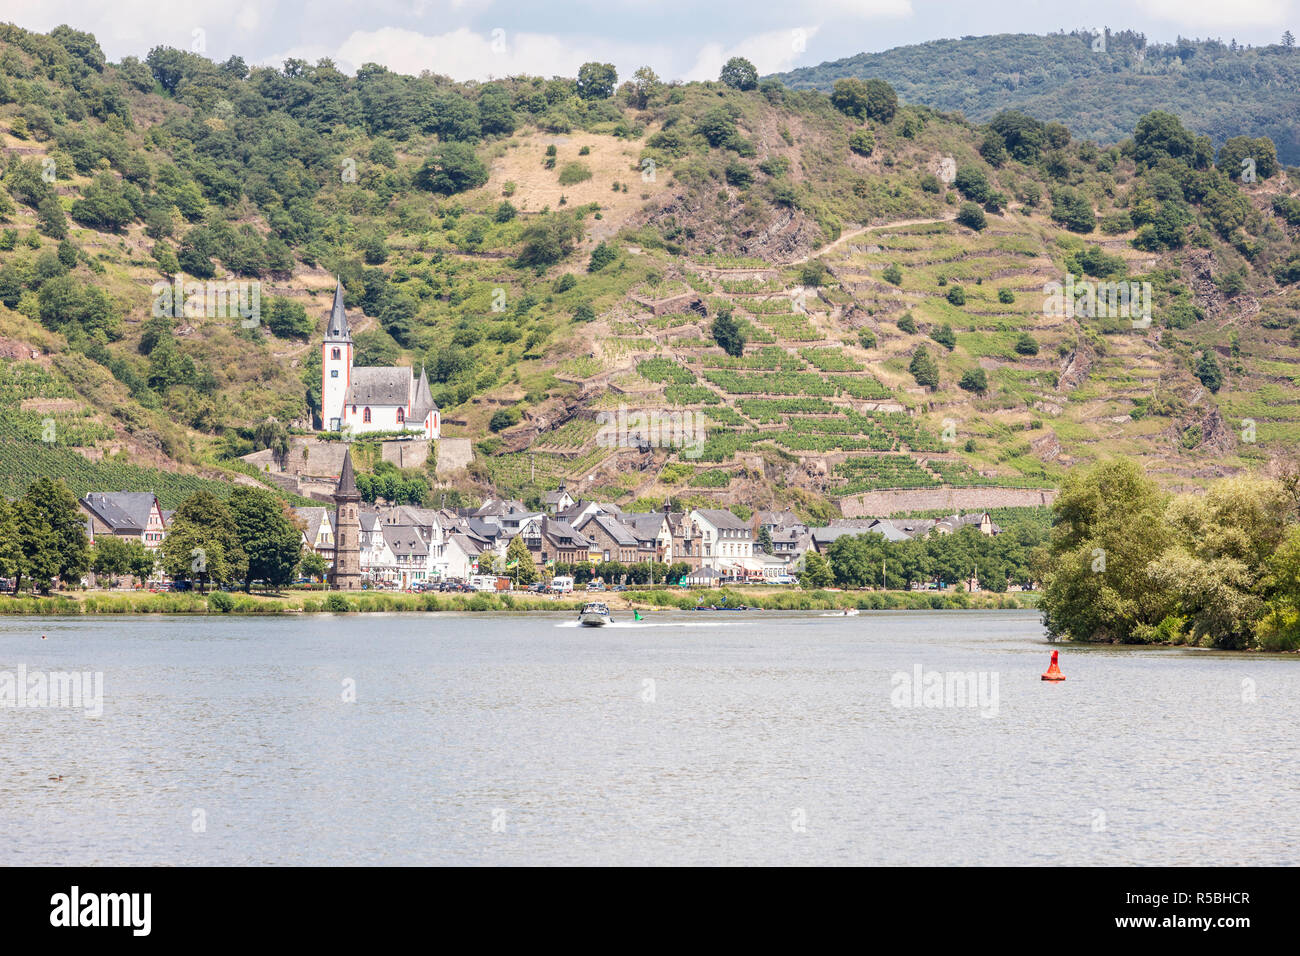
[863,100]
[739,74]
[596,81]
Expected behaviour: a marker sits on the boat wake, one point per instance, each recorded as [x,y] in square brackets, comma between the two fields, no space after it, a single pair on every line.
[624,625]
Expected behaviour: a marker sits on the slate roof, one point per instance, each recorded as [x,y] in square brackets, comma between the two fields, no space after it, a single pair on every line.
[372,385]
[405,540]
[337,327]
[347,486]
[313,517]
[645,526]
[615,529]
[471,546]
[720,518]
[423,402]
[125,512]
[562,533]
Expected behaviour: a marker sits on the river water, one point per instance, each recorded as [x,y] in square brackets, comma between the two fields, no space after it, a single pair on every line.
[690,738]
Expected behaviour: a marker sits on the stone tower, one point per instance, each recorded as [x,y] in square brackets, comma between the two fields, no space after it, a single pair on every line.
[336,364]
[346,575]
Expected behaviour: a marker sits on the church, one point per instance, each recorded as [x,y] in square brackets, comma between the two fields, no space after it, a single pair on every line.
[362,400]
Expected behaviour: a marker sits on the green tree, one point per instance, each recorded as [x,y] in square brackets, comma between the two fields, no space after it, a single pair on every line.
[1218,562]
[452,168]
[202,545]
[110,557]
[924,368]
[816,572]
[1109,525]
[727,333]
[51,534]
[739,74]
[313,565]
[972,216]
[519,562]
[287,319]
[267,536]
[974,380]
[11,552]
[596,81]
[1208,371]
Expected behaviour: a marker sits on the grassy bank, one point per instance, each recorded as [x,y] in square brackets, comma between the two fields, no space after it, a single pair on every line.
[237,603]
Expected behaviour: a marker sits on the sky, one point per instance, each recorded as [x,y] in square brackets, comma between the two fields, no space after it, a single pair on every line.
[679,39]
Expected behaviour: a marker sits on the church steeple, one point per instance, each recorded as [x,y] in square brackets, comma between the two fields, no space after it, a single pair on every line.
[337,327]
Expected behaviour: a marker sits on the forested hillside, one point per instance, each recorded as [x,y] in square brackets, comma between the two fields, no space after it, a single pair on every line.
[848,290]
[1097,85]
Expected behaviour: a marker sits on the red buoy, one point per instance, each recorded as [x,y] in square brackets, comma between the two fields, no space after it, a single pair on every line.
[1054,672]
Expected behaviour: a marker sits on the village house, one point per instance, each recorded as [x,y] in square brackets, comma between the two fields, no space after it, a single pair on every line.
[550,540]
[725,538]
[610,539]
[654,539]
[687,541]
[318,530]
[557,501]
[131,516]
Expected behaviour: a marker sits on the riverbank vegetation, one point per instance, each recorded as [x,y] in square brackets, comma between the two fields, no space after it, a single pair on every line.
[1129,564]
[223,602]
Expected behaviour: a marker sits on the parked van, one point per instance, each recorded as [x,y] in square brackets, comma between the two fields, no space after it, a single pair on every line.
[562,584]
[486,582]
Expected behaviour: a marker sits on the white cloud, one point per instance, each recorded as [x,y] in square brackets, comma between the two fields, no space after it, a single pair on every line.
[1215,13]
[464,54]
[770,52]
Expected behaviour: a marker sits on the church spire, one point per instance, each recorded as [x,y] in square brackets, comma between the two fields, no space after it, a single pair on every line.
[338,323]
[347,486]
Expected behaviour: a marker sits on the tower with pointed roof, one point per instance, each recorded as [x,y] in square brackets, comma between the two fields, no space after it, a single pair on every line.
[346,574]
[336,365]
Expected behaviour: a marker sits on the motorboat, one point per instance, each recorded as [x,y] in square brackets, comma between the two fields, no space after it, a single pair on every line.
[594,614]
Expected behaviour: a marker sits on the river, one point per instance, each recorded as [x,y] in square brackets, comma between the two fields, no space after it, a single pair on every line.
[689,738]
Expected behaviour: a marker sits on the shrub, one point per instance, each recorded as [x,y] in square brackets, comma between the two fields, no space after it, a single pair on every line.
[944,334]
[907,324]
[862,142]
[601,256]
[1006,296]
[974,380]
[957,295]
[972,216]
[337,604]
[892,274]
[221,602]
[574,173]
[1026,345]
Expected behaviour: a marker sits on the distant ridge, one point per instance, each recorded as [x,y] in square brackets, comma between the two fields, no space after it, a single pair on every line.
[1217,88]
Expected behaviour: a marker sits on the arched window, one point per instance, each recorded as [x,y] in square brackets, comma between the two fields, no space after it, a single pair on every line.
[365,416]
[401,415]
[334,354]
